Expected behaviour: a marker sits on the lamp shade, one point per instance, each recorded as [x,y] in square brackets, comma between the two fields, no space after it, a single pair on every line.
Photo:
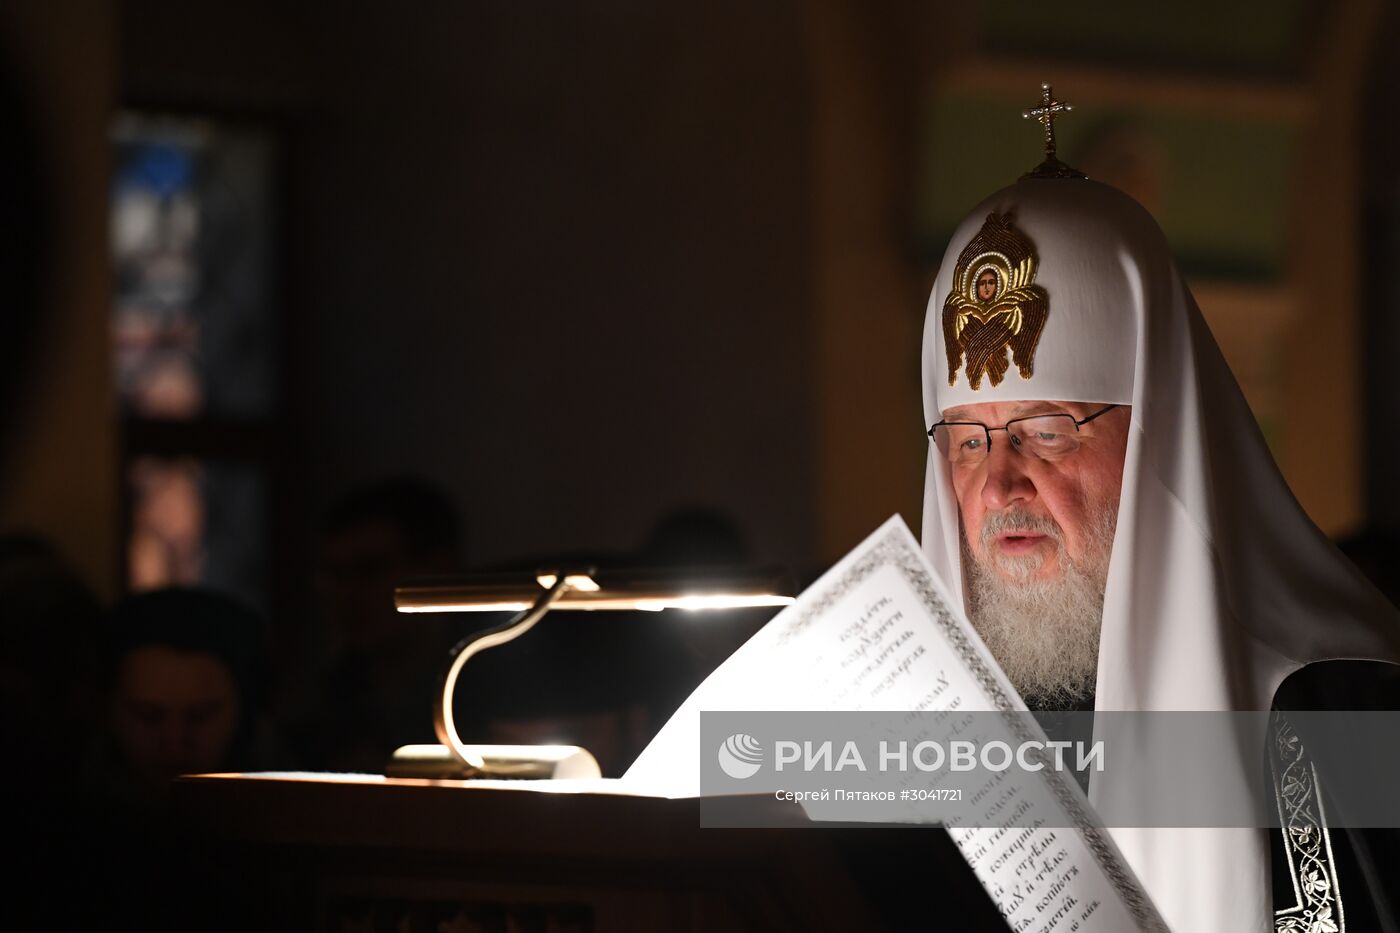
[615,589]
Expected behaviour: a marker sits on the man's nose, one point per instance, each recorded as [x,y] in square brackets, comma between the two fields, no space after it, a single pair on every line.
[1006,480]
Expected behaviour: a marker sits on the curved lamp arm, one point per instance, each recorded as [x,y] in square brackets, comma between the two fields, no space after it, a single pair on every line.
[469,647]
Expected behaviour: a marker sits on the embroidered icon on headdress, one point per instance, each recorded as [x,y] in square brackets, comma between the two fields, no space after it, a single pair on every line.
[994,305]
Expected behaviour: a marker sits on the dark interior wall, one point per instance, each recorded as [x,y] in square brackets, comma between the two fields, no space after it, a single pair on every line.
[557,260]
[57,437]
[1380,325]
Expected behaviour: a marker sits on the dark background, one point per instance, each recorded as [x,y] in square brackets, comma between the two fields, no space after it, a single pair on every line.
[582,265]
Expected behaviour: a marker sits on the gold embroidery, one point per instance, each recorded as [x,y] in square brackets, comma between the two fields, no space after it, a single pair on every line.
[994,305]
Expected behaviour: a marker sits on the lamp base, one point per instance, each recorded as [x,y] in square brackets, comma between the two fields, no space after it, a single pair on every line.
[524,762]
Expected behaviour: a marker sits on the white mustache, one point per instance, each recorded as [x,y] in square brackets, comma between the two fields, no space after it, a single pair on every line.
[1018,521]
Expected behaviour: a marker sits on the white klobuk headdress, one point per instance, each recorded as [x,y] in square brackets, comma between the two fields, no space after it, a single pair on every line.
[1219,585]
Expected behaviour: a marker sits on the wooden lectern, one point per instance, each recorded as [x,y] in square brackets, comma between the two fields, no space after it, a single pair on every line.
[360,852]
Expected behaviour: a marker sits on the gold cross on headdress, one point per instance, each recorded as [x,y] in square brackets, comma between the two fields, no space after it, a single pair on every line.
[1045,114]
[1047,111]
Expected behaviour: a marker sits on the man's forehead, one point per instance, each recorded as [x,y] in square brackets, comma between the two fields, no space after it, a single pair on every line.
[982,411]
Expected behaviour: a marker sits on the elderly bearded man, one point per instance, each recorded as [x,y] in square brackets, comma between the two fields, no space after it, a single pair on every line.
[1101,499]
[1038,512]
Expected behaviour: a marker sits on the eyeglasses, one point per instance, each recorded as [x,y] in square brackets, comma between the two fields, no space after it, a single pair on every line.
[1048,437]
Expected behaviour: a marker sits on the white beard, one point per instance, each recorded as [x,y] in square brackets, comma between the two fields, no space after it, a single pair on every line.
[1045,633]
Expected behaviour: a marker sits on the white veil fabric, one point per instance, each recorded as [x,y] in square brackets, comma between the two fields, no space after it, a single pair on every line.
[1219,585]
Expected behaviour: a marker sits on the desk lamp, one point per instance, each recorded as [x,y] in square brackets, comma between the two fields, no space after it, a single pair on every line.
[533,595]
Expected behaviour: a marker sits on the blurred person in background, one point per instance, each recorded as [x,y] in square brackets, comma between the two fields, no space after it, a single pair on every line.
[376,691]
[48,655]
[184,671]
[178,675]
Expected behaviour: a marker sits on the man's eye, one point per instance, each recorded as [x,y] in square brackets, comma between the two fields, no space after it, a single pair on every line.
[973,443]
[1050,441]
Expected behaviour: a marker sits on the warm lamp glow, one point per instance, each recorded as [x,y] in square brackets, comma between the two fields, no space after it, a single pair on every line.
[533,595]
[697,601]
[692,602]
[599,590]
